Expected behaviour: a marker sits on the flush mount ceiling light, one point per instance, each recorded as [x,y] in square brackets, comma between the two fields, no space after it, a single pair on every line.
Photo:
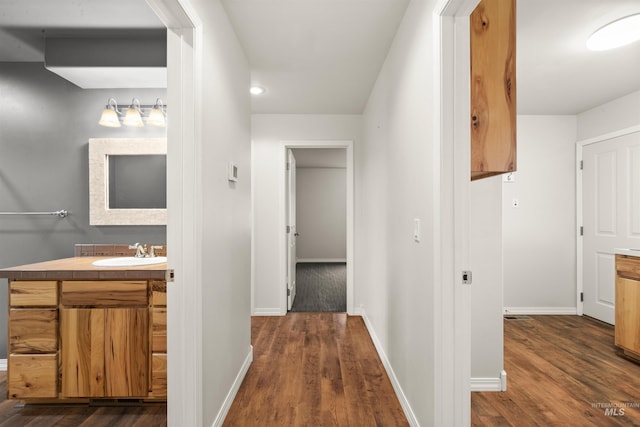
[616,34]
[113,116]
[257,90]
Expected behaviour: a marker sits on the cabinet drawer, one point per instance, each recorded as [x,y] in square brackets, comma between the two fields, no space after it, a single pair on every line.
[159,330]
[33,293]
[159,293]
[159,375]
[104,293]
[33,330]
[32,376]
[628,267]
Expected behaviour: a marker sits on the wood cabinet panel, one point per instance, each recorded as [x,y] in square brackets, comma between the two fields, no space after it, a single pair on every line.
[33,330]
[32,376]
[627,330]
[628,267]
[158,293]
[126,358]
[159,375]
[493,88]
[82,352]
[33,293]
[104,294]
[159,330]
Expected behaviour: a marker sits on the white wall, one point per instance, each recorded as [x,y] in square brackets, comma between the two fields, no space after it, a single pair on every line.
[225,228]
[618,114]
[394,184]
[485,257]
[539,235]
[321,214]
[268,130]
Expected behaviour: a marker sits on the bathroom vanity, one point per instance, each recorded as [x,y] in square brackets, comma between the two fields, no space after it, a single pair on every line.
[627,305]
[79,332]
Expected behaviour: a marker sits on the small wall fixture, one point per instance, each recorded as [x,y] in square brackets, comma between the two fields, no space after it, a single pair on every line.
[112,115]
[615,34]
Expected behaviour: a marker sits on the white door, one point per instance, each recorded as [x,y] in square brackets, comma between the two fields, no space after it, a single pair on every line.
[292,233]
[611,214]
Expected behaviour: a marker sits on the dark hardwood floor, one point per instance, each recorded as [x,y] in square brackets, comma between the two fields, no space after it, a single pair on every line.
[79,415]
[314,369]
[562,371]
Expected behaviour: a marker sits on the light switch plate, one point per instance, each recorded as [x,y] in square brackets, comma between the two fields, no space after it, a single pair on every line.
[416,229]
[232,172]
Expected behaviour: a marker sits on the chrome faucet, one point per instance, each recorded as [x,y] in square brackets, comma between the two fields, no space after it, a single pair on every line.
[152,252]
[141,250]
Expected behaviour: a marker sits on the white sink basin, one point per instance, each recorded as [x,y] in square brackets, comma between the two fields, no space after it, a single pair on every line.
[129,261]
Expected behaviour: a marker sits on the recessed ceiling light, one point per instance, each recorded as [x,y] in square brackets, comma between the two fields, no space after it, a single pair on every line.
[257,90]
[615,34]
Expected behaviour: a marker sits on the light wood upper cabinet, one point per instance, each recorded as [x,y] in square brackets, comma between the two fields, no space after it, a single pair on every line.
[493,88]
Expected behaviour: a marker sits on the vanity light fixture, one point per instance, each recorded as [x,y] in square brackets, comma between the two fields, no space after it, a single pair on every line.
[615,34]
[114,116]
[156,115]
[133,117]
[257,90]
[109,116]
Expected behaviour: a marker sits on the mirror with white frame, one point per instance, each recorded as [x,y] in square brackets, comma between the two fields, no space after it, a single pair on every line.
[127,181]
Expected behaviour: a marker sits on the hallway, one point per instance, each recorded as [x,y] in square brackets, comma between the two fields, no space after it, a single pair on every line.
[314,369]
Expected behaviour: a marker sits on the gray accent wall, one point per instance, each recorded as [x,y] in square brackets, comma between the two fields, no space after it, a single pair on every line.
[45,123]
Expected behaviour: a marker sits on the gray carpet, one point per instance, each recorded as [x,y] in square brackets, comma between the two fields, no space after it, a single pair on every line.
[321,287]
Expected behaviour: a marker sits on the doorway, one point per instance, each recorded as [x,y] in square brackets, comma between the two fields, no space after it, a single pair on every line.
[608,189]
[317,229]
[318,215]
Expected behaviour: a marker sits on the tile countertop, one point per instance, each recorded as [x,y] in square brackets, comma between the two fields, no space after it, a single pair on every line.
[628,252]
[81,268]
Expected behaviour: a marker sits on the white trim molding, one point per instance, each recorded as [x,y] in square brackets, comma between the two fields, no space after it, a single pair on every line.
[277,311]
[321,260]
[534,311]
[404,402]
[3,364]
[490,384]
[348,145]
[224,410]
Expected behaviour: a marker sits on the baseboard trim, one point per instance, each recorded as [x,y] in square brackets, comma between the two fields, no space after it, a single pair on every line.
[226,405]
[490,384]
[3,364]
[406,407]
[268,312]
[570,311]
[320,260]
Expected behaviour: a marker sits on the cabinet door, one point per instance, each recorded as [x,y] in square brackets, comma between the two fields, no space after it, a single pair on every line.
[493,88]
[127,352]
[82,352]
[627,305]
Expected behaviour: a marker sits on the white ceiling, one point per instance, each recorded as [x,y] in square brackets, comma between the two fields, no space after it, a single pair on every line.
[322,56]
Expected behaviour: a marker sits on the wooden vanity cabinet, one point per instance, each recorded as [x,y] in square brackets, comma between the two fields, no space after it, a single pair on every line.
[627,305]
[87,339]
[493,88]
[33,340]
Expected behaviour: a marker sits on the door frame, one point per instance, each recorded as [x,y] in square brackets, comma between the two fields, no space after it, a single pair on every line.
[184,218]
[579,204]
[452,302]
[284,146]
